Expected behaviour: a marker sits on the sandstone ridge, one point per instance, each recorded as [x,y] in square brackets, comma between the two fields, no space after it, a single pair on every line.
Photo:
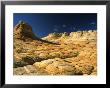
[23,31]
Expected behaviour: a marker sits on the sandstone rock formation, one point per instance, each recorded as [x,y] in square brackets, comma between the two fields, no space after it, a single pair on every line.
[23,31]
[65,53]
[73,36]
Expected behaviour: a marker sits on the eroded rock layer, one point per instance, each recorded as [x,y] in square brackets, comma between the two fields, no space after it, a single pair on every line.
[65,53]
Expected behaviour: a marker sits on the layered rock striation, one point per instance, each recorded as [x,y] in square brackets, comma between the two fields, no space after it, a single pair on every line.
[65,53]
[23,31]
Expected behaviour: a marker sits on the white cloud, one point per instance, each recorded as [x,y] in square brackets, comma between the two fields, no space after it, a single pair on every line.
[64,25]
[55,29]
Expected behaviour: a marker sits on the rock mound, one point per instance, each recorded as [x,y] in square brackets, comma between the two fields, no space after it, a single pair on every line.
[23,31]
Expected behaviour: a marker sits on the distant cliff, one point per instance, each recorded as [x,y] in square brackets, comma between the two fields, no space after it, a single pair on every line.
[73,36]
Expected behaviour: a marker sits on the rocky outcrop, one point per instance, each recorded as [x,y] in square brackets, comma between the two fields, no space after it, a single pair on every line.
[29,70]
[55,66]
[84,35]
[23,31]
[65,53]
[73,36]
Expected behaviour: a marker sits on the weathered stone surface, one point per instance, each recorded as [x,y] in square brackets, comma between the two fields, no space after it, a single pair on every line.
[19,71]
[43,64]
[65,53]
[29,70]
[86,69]
[23,31]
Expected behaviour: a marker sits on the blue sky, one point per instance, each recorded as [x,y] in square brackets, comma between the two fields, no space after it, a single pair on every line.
[45,23]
